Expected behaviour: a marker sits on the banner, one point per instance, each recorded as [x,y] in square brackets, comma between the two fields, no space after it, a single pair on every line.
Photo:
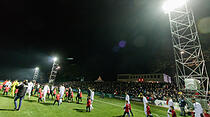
[162,103]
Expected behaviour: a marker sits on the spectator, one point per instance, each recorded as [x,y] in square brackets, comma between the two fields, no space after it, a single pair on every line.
[21,93]
[182,104]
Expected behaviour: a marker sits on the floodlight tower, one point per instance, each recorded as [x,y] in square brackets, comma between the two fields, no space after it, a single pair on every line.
[191,71]
[54,70]
[36,73]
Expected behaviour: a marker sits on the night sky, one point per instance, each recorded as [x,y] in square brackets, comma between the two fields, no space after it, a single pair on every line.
[105,37]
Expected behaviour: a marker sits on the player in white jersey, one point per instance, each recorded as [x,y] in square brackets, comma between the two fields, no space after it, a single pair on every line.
[46,88]
[91,98]
[30,86]
[197,108]
[145,103]
[127,97]
[61,92]
[9,84]
[170,104]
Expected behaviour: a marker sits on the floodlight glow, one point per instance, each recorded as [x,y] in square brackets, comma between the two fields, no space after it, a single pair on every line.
[170,5]
[36,68]
[58,67]
[55,59]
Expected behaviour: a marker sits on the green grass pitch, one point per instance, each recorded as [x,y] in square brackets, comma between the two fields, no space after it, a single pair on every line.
[102,108]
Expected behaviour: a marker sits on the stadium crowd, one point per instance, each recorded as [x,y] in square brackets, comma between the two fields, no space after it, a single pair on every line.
[152,91]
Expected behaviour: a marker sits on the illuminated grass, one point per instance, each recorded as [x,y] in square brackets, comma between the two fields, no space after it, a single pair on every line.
[102,108]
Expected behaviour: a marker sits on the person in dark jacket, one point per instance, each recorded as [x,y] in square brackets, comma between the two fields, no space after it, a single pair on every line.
[21,93]
[182,104]
[89,92]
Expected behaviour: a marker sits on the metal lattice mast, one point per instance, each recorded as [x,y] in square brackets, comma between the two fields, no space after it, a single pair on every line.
[36,73]
[189,58]
[54,71]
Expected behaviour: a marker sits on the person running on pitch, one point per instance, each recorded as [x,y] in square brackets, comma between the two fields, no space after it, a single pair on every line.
[145,103]
[61,92]
[78,95]
[40,97]
[57,99]
[130,110]
[88,92]
[37,86]
[40,90]
[67,95]
[149,114]
[71,94]
[6,90]
[21,93]
[197,108]
[88,104]
[126,109]
[92,98]
[170,104]
[30,86]
[127,98]
[54,92]
[46,88]
[48,94]
[173,112]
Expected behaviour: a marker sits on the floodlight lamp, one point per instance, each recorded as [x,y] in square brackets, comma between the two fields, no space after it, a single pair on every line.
[37,68]
[171,5]
[58,67]
[55,59]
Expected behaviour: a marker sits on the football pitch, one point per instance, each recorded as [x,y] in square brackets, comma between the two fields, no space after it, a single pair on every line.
[102,108]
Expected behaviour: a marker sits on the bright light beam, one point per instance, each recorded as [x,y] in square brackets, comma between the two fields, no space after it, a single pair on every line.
[171,5]
[55,59]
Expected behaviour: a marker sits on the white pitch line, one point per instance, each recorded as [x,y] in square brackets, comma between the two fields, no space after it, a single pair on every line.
[121,106]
